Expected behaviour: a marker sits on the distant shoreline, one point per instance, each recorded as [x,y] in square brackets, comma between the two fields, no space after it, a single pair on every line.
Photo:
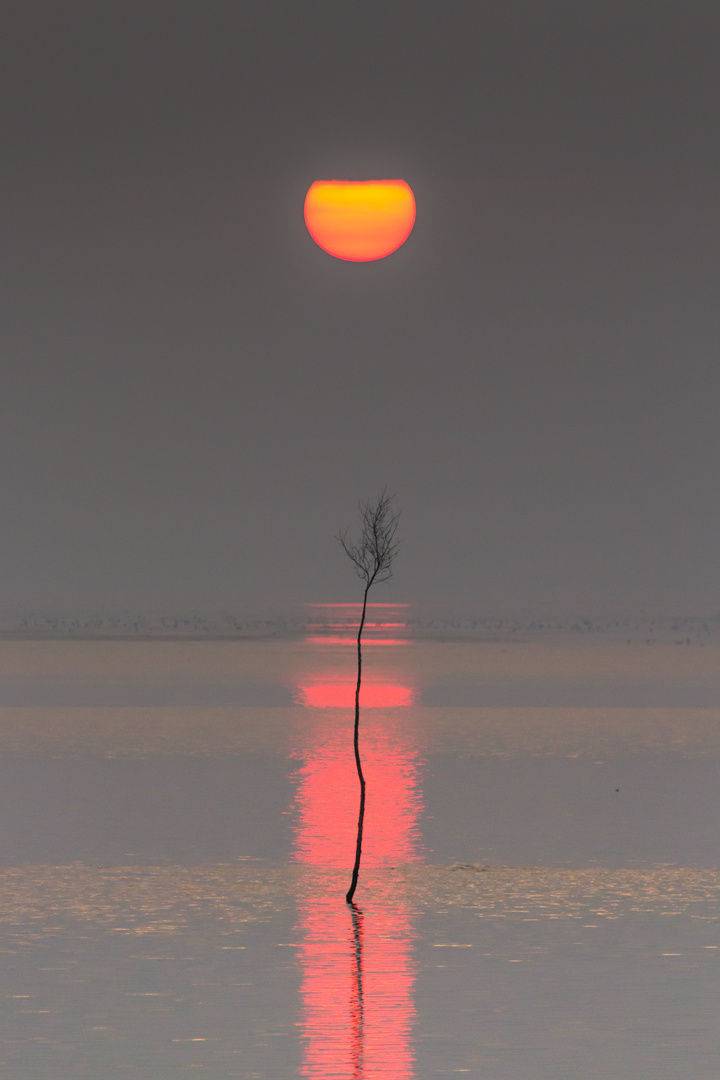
[687,631]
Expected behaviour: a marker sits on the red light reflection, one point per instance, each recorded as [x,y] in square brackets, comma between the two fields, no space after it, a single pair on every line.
[350,639]
[357,969]
[337,624]
[357,989]
[334,695]
[327,803]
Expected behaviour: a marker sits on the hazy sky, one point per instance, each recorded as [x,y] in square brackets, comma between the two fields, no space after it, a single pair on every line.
[194,395]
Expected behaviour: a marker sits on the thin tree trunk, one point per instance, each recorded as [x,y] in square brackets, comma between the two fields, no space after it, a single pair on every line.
[361,778]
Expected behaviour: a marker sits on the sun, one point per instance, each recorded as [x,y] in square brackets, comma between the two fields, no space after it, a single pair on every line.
[360,220]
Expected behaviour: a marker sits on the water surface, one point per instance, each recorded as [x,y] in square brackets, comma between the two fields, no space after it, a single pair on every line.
[539,890]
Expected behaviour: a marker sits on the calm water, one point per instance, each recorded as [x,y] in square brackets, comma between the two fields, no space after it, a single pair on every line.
[539,891]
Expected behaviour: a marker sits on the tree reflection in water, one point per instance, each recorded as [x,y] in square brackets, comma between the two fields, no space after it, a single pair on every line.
[358,1004]
[358,973]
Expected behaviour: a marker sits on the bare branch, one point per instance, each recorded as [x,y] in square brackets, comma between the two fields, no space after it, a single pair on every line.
[373,553]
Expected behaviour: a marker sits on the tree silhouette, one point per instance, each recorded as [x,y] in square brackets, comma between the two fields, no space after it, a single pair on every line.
[372,556]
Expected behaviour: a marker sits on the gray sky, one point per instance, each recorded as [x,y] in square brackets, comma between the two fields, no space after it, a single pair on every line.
[194,395]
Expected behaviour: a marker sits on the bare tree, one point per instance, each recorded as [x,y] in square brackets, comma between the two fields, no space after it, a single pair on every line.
[372,556]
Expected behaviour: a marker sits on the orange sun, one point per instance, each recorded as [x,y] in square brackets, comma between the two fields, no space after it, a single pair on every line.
[359,220]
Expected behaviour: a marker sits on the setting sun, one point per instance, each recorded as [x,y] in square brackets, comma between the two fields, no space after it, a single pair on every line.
[359,220]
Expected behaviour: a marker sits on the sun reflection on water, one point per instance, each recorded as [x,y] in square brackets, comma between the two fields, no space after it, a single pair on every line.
[334,695]
[358,972]
[358,975]
[337,624]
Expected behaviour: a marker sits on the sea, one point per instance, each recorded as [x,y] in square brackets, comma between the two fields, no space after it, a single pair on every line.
[539,892]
